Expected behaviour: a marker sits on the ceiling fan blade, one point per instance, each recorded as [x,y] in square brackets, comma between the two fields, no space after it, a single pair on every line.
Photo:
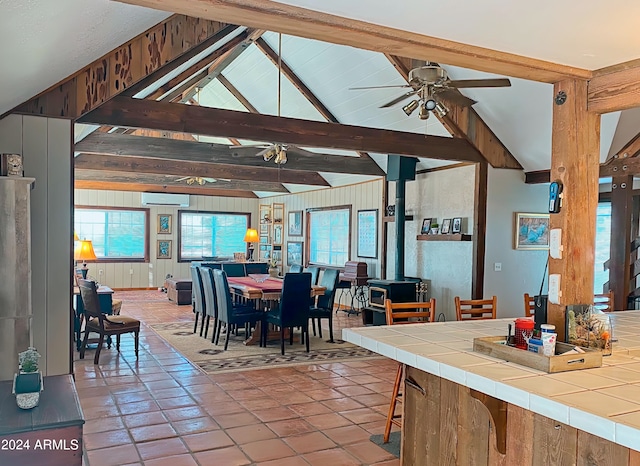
[182,179]
[455,97]
[399,99]
[377,87]
[264,151]
[295,150]
[466,83]
[210,180]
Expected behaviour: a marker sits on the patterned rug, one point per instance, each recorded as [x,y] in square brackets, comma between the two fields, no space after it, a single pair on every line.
[238,357]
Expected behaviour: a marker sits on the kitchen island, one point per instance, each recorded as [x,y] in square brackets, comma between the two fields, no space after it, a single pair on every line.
[462,407]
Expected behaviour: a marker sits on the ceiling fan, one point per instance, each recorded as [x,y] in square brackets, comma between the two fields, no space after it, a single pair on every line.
[196,179]
[430,84]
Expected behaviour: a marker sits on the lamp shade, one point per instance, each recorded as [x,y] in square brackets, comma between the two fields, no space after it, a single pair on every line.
[75,237]
[84,251]
[251,236]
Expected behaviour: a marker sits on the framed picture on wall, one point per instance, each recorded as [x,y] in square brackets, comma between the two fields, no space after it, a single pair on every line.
[164,249]
[426,226]
[368,233]
[295,223]
[531,231]
[164,224]
[294,252]
[445,229]
[456,225]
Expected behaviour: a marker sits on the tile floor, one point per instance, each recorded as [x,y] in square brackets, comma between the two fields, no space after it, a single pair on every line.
[163,410]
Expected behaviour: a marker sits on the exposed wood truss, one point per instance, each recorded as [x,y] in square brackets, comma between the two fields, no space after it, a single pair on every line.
[227,123]
[301,22]
[123,66]
[171,166]
[615,88]
[192,151]
[464,122]
[147,188]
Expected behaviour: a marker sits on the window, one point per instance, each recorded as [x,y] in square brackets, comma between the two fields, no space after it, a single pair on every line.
[116,234]
[603,241]
[211,234]
[330,236]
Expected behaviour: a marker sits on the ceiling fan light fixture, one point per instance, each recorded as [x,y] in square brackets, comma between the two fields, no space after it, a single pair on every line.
[271,153]
[441,110]
[430,104]
[281,158]
[424,113]
[410,107]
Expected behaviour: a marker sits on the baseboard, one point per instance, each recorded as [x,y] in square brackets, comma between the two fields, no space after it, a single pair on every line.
[135,289]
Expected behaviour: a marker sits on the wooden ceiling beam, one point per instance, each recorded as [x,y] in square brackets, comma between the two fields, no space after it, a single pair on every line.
[237,94]
[173,166]
[122,67]
[193,151]
[147,188]
[301,22]
[614,88]
[464,122]
[173,180]
[181,60]
[227,123]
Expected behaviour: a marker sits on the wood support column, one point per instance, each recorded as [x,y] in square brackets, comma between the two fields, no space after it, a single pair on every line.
[479,230]
[620,252]
[574,162]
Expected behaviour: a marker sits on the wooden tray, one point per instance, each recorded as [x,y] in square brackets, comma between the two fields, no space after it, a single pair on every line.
[559,363]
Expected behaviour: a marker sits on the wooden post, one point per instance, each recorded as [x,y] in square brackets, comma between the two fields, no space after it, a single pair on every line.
[479,230]
[620,254]
[575,161]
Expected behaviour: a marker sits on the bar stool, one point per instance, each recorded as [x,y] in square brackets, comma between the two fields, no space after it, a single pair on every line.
[404,313]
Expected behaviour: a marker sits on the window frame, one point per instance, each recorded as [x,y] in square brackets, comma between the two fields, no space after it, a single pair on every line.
[308,213]
[147,238]
[211,212]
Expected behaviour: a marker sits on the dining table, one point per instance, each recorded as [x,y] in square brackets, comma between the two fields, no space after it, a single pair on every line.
[266,293]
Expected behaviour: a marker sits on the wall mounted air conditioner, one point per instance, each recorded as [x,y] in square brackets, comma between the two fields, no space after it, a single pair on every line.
[149,199]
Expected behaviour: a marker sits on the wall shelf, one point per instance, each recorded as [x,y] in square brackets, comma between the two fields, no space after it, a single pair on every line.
[387,218]
[454,237]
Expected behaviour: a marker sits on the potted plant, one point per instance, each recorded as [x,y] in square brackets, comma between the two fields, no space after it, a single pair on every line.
[273,267]
[27,384]
[434,228]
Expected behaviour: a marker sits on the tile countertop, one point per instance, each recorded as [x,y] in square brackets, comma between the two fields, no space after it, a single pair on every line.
[604,401]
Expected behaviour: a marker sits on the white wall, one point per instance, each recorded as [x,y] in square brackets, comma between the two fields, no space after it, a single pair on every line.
[152,274]
[448,265]
[522,271]
[45,144]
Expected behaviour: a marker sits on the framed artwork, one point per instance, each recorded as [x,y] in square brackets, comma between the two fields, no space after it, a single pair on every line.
[426,226]
[368,233]
[445,228]
[264,229]
[294,252]
[295,223]
[164,249]
[531,231]
[456,225]
[164,224]
[264,239]
[277,234]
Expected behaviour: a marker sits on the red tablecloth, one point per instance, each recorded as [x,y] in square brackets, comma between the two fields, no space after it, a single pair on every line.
[270,285]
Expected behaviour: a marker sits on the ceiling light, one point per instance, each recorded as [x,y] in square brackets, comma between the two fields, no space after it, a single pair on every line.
[410,107]
[281,158]
[441,110]
[430,104]
[424,113]
[271,153]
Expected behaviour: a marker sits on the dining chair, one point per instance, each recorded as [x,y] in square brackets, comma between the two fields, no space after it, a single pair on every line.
[404,313]
[603,301]
[323,309]
[198,297]
[315,274]
[293,309]
[295,268]
[229,312]
[476,309]
[233,269]
[104,325]
[529,305]
[211,306]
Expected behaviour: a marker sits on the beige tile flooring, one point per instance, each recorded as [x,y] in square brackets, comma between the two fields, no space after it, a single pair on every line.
[161,409]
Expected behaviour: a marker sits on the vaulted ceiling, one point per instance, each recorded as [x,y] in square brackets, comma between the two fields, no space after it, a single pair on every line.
[520,116]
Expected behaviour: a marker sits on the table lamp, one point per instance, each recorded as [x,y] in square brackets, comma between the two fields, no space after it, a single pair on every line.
[251,236]
[84,252]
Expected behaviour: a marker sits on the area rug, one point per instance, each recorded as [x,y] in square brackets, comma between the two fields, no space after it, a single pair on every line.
[238,357]
[392,446]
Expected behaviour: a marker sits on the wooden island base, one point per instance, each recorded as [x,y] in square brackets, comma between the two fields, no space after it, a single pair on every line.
[447,423]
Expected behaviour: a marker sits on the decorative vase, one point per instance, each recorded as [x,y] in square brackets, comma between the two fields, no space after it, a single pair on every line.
[434,230]
[273,271]
[27,387]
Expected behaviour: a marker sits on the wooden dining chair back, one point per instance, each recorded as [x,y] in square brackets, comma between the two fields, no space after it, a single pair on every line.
[603,301]
[323,308]
[476,309]
[315,274]
[404,313]
[293,310]
[104,325]
[229,312]
[197,291]
[210,304]
[529,305]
